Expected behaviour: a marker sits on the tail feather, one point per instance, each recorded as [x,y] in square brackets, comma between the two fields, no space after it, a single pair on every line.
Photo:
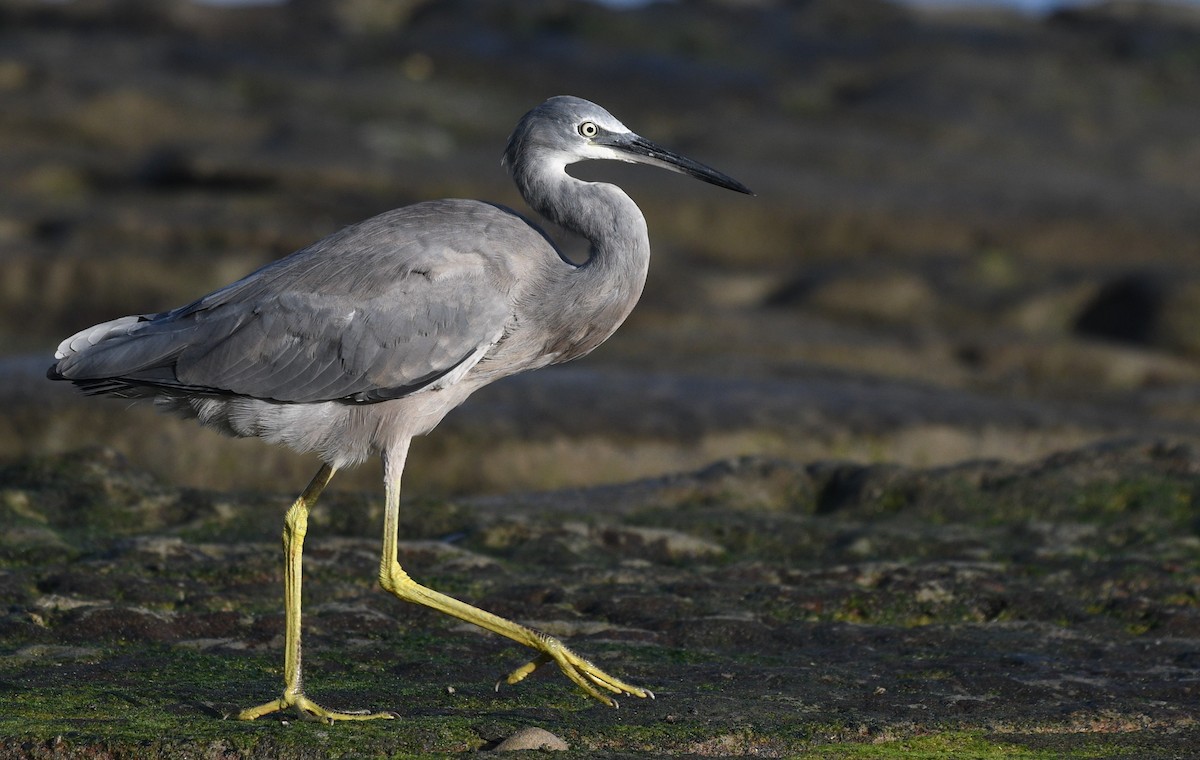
[85,339]
[87,359]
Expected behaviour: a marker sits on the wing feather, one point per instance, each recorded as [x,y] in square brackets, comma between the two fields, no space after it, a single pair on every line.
[383,308]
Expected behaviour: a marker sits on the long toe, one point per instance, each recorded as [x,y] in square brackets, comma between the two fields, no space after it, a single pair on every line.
[311,710]
[582,672]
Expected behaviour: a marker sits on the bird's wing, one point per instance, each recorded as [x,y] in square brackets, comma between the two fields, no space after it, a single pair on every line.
[401,302]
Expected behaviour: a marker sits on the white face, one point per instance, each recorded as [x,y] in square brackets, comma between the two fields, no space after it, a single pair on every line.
[596,125]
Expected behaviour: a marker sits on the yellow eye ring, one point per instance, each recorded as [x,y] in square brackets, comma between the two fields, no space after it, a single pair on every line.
[589,129]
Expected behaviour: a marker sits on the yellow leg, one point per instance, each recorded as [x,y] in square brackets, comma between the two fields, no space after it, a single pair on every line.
[394,580]
[295,525]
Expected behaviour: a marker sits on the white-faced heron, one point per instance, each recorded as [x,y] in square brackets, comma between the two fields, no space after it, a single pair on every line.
[357,343]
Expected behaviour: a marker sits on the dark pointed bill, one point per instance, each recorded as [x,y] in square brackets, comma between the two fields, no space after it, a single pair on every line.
[642,151]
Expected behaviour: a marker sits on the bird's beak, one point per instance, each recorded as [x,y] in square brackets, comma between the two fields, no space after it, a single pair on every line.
[637,149]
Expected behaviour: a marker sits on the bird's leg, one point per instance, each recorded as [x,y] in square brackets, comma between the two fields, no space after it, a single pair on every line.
[392,577]
[295,525]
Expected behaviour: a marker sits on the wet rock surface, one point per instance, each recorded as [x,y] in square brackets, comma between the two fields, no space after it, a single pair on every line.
[773,607]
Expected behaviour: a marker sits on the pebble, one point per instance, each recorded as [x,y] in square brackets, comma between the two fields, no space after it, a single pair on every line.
[531,737]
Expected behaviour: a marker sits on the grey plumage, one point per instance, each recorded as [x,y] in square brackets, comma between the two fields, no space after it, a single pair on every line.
[357,343]
[410,302]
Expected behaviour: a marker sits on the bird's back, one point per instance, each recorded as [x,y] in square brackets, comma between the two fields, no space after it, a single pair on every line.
[374,311]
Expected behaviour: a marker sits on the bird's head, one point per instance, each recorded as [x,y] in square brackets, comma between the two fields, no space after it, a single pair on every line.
[564,130]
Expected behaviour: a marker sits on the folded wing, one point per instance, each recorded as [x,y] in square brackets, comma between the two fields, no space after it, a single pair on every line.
[393,305]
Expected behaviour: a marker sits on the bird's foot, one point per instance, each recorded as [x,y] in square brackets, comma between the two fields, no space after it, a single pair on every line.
[582,672]
[309,709]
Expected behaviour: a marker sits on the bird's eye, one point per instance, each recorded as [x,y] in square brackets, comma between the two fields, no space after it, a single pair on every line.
[589,129]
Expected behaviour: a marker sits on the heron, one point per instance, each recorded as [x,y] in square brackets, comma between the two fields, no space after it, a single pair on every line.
[353,346]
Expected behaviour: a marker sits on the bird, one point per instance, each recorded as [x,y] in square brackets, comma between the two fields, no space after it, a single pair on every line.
[367,338]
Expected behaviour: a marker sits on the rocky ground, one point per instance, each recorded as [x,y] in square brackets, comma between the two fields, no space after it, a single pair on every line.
[937,386]
[776,609]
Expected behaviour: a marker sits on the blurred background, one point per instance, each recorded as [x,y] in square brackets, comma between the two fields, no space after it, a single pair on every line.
[976,232]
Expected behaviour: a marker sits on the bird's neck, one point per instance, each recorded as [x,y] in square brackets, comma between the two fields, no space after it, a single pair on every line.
[604,289]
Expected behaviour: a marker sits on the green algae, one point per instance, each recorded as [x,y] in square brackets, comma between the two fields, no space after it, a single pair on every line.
[811,634]
[950,745]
